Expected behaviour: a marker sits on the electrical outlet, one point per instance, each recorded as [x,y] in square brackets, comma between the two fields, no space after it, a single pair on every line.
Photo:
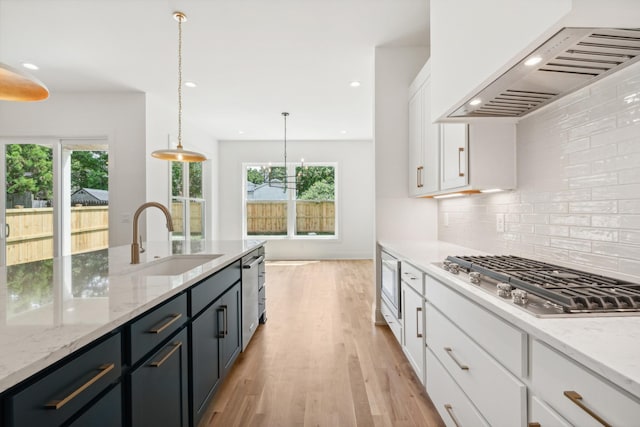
[445,219]
[500,223]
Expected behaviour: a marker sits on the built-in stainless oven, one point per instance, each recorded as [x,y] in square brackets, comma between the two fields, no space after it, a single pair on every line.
[390,282]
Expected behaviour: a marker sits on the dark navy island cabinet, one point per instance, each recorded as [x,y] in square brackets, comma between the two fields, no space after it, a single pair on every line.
[160,369]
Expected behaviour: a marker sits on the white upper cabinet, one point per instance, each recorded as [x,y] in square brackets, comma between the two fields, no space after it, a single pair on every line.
[423,137]
[454,148]
[474,42]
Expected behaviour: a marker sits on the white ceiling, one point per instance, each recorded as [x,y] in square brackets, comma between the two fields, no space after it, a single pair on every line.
[251,59]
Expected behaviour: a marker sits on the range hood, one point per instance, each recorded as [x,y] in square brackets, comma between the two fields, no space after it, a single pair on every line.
[568,61]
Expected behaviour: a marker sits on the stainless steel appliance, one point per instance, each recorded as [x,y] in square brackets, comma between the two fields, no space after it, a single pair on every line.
[251,283]
[390,282]
[547,290]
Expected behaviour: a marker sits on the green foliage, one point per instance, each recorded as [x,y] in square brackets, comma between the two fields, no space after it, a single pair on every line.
[319,190]
[255,176]
[195,179]
[89,169]
[29,170]
[176,178]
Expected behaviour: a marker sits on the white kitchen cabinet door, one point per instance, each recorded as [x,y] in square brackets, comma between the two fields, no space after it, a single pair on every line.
[423,142]
[413,329]
[578,395]
[451,403]
[544,416]
[454,149]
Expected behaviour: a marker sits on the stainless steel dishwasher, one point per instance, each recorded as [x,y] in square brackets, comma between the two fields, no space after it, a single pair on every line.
[252,270]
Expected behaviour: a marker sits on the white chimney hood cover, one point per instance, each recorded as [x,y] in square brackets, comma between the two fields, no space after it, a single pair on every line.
[570,60]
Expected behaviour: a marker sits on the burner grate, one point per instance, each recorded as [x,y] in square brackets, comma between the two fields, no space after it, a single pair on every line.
[574,290]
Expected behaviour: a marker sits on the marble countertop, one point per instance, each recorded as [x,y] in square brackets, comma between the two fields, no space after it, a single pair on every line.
[609,346]
[50,308]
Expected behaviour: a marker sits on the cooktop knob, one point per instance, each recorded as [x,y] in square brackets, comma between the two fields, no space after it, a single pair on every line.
[520,297]
[504,290]
[474,277]
[454,268]
[446,265]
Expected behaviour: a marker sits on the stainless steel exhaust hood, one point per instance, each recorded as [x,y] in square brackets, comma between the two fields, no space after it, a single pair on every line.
[568,61]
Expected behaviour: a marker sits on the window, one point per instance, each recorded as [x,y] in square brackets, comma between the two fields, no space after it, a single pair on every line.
[187,203]
[272,209]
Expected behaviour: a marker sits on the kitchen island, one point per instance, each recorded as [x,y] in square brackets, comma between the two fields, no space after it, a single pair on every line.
[607,346]
[52,309]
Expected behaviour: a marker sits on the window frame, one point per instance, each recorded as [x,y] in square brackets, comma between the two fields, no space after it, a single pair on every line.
[186,200]
[291,203]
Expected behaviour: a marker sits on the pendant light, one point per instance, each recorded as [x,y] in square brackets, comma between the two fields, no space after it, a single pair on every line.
[286,182]
[179,154]
[18,86]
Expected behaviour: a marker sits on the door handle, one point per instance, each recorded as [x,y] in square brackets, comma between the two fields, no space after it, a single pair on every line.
[420,184]
[7,231]
[449,351]
[224,332]
[254,263]
[449,409]
[576,398]
[102,371]
[460,151]
[158,329]
[174,348]
[418,311]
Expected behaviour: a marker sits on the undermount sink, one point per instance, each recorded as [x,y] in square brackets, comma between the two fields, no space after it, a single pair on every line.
[173,265]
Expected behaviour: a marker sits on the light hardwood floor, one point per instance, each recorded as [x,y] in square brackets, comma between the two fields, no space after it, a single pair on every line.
[319,360]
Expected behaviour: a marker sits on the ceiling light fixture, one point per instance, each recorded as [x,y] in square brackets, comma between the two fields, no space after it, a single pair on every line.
[30,66]
[179,154]
[190,84]
[492,190]
[475,102]
[16,85]
[280,178]
[354,83]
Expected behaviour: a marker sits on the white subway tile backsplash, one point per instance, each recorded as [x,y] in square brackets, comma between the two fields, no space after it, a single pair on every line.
[630,176]
[583,220]
[594,207]
[574,245]
[593,234]
[616,192]
[578,196]
[609,221]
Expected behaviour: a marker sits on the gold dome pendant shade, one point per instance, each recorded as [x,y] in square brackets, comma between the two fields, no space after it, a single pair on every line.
[18,86]
[179,154]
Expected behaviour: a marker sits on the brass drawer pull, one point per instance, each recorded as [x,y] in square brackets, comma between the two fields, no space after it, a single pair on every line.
[224,332]
[460,365]
[103,370]
[159,363]
[460,151]
[576,398]
[534,424]
[419,177]
[449,409]
[418,311]
[158,329]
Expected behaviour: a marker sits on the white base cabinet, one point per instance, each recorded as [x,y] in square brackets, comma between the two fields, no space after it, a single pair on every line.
[541,415]
[413,343]
[578,395]
[452,404]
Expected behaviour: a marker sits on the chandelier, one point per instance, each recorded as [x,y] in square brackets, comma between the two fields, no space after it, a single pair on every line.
[278,176]
[179,154]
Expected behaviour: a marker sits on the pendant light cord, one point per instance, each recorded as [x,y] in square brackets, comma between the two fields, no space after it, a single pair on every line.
[180,19]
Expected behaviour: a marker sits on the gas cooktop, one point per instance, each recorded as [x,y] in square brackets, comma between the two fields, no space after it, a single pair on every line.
[546,289]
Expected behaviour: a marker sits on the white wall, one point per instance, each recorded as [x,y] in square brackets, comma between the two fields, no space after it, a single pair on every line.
[355,194]
[578,197]
[397,215]
[118,116]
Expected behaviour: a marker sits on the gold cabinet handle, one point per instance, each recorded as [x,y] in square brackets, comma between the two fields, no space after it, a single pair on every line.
[419,177]
[102,371]
[418,311]
[576,398]
[449,351]
[449,409]
[534,424]
[174,348]
[158,329]
[460,151]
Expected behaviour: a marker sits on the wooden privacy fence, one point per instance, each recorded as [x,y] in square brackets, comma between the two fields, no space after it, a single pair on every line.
[177,214]
[31,232]
[266,217]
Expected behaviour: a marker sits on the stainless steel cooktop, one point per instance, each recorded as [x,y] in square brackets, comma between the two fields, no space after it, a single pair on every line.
[547,290]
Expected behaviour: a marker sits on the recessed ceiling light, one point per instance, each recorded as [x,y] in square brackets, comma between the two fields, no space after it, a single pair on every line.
[30,66]
[190,84]
[532,61]
[343,132]
[240,132]
[354,83]
[476,101]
